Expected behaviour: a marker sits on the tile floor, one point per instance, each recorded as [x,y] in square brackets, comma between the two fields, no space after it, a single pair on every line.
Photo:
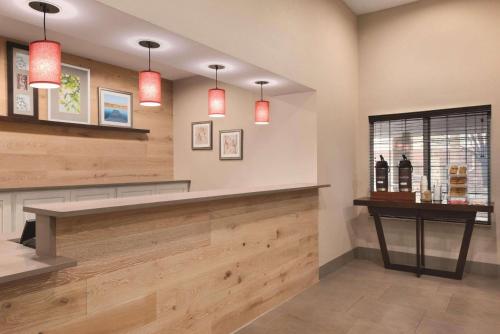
[362,297]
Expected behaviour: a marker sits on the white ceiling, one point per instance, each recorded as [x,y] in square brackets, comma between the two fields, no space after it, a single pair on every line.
[360,7]
[93,30]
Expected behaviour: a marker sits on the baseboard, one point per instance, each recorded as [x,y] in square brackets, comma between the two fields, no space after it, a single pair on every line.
[336,264]
[373,254]
[479,268]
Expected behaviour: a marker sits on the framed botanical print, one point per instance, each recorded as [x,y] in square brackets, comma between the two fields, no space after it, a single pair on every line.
[201,135]
[22,99]
[115,108]
[231,144]
[71,102]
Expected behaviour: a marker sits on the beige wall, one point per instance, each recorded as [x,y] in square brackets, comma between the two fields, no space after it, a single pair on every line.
[313,42]
[429,55]
[269,153]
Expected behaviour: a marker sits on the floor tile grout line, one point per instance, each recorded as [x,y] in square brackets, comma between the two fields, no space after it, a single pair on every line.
[352,305]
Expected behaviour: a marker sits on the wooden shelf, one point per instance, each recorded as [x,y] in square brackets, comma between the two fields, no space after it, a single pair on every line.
[28,120]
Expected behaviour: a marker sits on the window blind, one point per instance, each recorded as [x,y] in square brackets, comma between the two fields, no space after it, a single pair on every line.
[434,140]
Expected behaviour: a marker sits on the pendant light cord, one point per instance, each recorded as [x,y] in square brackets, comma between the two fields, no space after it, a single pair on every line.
[261,92]
[44,14]
[216,77]
[149,57]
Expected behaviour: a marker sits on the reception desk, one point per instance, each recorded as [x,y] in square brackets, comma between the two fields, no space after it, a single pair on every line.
[198,262]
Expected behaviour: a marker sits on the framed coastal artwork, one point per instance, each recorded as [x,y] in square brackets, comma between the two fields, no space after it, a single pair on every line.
[22,99]
[201,135]
[231,145]
[70,103]
[115,108]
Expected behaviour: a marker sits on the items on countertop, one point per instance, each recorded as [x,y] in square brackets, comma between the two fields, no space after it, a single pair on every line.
[405,177]
[437,192]
[457,184]
[425,193]
[382,175]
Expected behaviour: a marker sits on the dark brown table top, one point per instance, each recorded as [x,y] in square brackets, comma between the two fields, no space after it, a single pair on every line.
[441,206]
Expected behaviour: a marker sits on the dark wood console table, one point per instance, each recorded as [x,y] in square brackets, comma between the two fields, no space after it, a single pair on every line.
[420,212]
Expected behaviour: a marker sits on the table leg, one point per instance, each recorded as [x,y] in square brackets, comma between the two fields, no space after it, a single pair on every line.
[422,243]
[381,240]
[462,258]
[418,245]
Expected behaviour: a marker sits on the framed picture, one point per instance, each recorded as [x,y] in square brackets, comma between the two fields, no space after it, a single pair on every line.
[22,99]
[201,135]
[71,102]
[231,145]
[115,108]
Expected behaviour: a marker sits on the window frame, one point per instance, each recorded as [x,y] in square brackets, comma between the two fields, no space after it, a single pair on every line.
[426,134]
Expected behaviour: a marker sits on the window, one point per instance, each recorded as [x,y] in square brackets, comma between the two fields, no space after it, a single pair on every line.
[434,140]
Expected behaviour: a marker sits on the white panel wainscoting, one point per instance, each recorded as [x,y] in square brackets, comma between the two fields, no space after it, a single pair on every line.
[12,202]
[89,194]
[170,188]
[33,197]
[5,213]
[133,191]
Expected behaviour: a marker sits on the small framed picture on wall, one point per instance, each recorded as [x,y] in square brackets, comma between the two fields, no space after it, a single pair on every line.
[201,135]
[231,144]
[22,99]
[115,108]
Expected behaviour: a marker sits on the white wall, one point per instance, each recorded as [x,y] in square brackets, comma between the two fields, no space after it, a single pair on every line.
[313,42]
[282,152]
[430,55]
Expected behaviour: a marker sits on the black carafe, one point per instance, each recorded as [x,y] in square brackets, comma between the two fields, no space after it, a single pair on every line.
[382,175]
[405,171]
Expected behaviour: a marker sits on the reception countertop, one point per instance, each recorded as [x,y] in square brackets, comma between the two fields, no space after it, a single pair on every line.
[18,261]
[140,202]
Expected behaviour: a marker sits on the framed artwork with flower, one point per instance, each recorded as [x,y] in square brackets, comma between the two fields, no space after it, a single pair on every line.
[71,101]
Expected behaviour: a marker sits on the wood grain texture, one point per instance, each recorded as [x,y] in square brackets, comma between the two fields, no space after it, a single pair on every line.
[50,307]
[131,315]
[52,156]
[193,268]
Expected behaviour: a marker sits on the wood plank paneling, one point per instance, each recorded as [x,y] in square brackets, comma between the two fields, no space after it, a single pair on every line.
[51,156]
[48,307]
[193,268]
[121,319]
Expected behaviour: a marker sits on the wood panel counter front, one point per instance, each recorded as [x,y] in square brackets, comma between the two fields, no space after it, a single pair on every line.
[200,262]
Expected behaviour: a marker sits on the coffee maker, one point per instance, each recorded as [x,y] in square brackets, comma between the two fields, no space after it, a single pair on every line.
[405,171]
[382,175]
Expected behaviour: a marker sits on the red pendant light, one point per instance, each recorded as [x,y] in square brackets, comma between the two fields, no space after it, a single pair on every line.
[261,107]
[216,96]
[149,81]
[45,55]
